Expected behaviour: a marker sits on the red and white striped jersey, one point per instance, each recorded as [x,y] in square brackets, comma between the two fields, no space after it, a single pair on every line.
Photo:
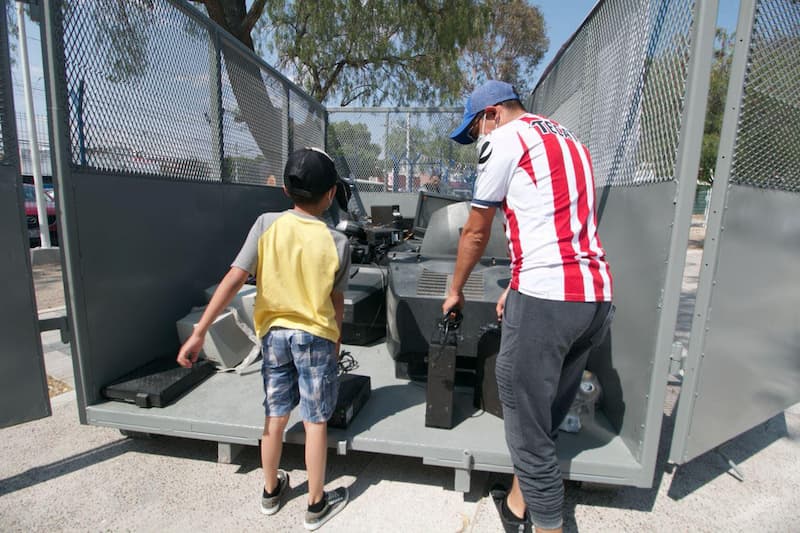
[541,176]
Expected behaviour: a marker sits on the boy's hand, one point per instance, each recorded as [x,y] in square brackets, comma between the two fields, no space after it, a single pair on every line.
[188,353]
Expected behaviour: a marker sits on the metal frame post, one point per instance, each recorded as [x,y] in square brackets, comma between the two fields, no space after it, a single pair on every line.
[687,165]
[55,89]
[719,197]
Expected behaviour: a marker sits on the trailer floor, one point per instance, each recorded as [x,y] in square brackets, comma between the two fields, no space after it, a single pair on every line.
[226,408]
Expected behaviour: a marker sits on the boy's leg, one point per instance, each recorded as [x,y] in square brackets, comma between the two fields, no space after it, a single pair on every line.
[316,458]
[271,448]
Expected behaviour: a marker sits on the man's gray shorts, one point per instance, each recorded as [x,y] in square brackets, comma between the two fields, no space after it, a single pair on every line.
[543,352]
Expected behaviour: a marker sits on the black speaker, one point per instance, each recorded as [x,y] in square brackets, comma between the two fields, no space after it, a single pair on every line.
[442,373]
[485,394]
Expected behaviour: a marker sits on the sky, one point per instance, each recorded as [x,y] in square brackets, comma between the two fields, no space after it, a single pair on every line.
[562,18]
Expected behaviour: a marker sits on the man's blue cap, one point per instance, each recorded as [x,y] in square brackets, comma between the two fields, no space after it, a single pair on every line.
[490,93]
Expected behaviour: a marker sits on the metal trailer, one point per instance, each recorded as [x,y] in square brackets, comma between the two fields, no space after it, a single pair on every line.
[141,243]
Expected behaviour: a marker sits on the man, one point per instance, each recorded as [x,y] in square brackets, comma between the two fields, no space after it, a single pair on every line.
[558,302]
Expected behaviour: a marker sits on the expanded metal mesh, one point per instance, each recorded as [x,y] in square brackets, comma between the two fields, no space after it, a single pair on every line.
[307,124]
[620,84]
[401,149]
[767,152]
[5,78]
[254,127]
[154,88]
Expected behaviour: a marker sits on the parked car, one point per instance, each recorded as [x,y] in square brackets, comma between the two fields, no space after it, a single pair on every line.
[32,215]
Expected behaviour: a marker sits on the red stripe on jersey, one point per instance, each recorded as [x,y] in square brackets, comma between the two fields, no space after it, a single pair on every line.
[583,218]
[525,162]
[594,218]
[516,247]
[573,280]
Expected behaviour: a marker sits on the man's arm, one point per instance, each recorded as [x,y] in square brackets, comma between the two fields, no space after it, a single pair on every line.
[225,292]
[474,238]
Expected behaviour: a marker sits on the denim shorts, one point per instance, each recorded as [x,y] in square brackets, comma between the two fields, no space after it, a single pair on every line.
[299,368]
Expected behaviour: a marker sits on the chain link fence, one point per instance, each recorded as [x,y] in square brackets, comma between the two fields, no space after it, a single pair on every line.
[154,88]
[767,152]
[401,149]
[618,85]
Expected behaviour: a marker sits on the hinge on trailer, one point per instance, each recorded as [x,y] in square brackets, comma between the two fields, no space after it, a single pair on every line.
[677,357]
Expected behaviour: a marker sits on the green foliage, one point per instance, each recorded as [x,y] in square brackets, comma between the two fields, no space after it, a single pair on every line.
[717,92]
[510,46]
[373,51]
[351,144]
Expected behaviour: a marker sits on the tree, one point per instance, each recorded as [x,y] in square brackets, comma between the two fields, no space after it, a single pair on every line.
[510,47]
[717,92]
[350,145]
[376,50]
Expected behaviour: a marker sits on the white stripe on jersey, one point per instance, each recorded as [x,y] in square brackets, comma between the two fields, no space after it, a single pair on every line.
[549,207]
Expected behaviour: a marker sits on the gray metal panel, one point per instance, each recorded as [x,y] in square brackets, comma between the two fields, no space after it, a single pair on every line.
[743,364]
[23,382]
[148,250]
[746,368]
[227,408]
[634,237]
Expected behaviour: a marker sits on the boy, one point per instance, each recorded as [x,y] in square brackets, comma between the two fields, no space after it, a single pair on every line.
[301,268]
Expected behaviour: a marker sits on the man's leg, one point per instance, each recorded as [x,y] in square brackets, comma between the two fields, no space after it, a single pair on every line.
[316,458]
[537,335]
[271,448]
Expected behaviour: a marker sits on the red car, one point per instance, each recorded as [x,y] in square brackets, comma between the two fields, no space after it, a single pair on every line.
[32,215]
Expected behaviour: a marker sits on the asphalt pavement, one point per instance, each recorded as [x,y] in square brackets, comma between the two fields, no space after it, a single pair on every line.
[59,475]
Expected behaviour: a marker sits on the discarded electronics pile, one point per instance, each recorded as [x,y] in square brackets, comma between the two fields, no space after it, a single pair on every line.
[400,272]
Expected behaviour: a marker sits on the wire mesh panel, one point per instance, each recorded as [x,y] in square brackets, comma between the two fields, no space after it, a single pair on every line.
[140,94]
[401,149]
[742,364]
[155,88]
[767,153]
[307,123]
[255,129]
[619,86]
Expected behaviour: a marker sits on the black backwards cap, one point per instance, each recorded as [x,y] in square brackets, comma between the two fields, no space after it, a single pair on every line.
[309,173]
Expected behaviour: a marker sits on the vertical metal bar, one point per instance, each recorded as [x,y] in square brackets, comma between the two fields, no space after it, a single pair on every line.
[719,198]
[687,165]
[56,90]
[216,109]
[289,123]
[41,205]
[8,126]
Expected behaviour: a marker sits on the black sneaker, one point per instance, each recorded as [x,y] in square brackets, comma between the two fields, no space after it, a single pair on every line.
[511,524]
[272,504]
[335,501]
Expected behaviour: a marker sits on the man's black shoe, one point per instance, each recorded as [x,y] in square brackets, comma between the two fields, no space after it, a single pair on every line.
[511,523]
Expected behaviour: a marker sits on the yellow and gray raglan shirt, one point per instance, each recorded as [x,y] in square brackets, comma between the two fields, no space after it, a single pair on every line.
[298,261]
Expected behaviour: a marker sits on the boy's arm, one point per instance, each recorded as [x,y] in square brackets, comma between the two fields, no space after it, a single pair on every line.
[338,306]
[225,292]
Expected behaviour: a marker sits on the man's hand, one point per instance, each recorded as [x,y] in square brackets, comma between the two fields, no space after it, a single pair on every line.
[501,305]
[453,301]
[190,350]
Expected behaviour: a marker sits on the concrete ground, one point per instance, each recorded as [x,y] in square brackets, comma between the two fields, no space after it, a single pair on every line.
[57,474]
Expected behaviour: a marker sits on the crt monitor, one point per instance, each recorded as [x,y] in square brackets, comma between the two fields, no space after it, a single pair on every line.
[427,203]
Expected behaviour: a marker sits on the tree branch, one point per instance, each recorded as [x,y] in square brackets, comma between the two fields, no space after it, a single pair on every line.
[256,10]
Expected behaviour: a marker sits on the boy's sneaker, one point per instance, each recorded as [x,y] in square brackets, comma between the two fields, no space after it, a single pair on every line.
[271,504]
[335,501]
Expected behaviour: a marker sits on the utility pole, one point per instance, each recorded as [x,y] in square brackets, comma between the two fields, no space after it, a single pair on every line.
[41,203]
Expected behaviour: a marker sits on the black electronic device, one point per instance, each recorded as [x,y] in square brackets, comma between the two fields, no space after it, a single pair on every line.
[485,394]
[442,372]
[158,383]
[354,391]
[364,305]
